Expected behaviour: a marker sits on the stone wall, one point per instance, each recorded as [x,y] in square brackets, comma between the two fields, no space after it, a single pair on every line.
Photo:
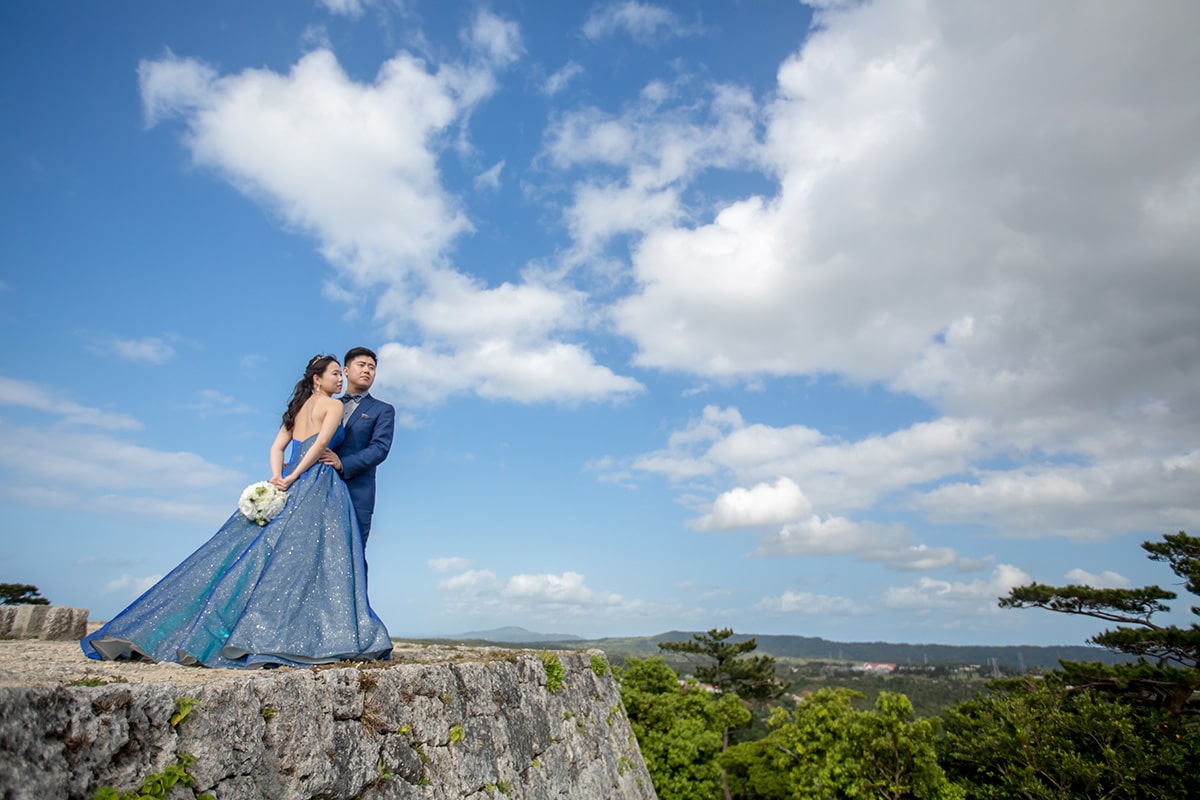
[486,727]
[43,622]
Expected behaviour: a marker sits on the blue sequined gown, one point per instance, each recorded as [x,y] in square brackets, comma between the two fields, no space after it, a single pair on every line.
[291,592]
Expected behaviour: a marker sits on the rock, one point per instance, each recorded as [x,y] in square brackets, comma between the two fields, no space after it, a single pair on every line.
[43,622]
[483,725]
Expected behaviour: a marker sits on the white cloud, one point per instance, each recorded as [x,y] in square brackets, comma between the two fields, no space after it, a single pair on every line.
[214,401]
[761,505]
[660,149]
[131,585]
[449,564]
[957,255]
[41,398]
[808,604]
[977,597]
[643,22]
[355,165]
[149,349]
[500,369]
[1105,580]
[490,178]
[497,39]
[471,581]
[559,80]
[356,170]
[93,461]
[1104,499]
[567,589]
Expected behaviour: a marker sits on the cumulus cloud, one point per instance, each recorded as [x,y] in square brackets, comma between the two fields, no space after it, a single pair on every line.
[959,257]
[347,8]
[976,597]
[560,79]
[471,581]
[355,166]
[131,585]
[659,149]
[808,604]
[1075,501]
[490,178]
[761,505]
[356,170]
[643,22]
[27,394]
[449,564]
[538,596]
[566,589]
[956,256]
[101,461]
[147,350]
[1105,580]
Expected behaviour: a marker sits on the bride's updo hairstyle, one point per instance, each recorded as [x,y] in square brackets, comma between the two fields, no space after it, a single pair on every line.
[304,387]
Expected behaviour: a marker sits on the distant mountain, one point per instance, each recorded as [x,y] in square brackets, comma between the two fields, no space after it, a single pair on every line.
[814,648]
[514,635]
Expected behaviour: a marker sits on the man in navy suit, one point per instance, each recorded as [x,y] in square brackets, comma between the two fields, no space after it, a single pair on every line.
[369,424]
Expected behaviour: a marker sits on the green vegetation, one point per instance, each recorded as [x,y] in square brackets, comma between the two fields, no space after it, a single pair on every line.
[681,730]
[13,594]
[183,707]
[457,734]
[556,673]
[1127,726]
[725,664]
[599,665]
[158,785]
[826,748]
[1042,738]
[1166,674]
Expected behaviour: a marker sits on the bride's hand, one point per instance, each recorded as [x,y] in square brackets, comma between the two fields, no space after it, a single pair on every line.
[279,483]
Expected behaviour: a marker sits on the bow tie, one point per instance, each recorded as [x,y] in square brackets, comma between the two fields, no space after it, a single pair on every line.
[352,398]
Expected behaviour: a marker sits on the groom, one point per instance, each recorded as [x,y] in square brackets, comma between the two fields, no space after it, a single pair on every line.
[368,424]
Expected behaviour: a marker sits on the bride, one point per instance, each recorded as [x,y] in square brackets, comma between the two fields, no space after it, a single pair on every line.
[291,592]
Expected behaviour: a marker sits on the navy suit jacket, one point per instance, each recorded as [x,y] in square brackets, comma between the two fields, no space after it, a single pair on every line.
[368,440]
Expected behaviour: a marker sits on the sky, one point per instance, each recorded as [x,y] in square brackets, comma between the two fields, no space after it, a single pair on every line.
[829,319]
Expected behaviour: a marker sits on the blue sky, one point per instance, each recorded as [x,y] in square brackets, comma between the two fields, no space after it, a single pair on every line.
[834,319]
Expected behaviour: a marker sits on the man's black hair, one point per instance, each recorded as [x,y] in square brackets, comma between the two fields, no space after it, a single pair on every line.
[355,352]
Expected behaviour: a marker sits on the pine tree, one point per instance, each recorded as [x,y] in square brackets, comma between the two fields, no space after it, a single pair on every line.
[722,664]
[12,594]
[1166,674]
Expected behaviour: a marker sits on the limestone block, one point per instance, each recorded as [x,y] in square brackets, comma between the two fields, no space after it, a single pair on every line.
[477,728]
[43,622]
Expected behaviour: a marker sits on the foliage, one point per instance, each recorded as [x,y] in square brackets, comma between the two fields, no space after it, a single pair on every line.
[457,734]
[680,729]
[1043,739]
[12,594]
[722,664]
[599,665]
[183,707]
[157,785]
[1166,674]
[555,672]
[826,748]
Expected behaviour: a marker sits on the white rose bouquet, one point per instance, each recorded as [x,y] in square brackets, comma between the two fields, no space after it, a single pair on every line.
[261,502]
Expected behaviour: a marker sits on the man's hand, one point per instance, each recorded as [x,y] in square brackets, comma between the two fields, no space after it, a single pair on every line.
[331,458]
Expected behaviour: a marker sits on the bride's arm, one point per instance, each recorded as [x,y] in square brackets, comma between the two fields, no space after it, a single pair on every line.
[277,450]
[331,416]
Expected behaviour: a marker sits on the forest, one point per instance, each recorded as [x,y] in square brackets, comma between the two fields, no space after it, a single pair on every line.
[717,720]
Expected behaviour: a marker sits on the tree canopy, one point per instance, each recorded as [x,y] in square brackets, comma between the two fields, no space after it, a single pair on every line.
[724,664]
[1166,673]
[12,594]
